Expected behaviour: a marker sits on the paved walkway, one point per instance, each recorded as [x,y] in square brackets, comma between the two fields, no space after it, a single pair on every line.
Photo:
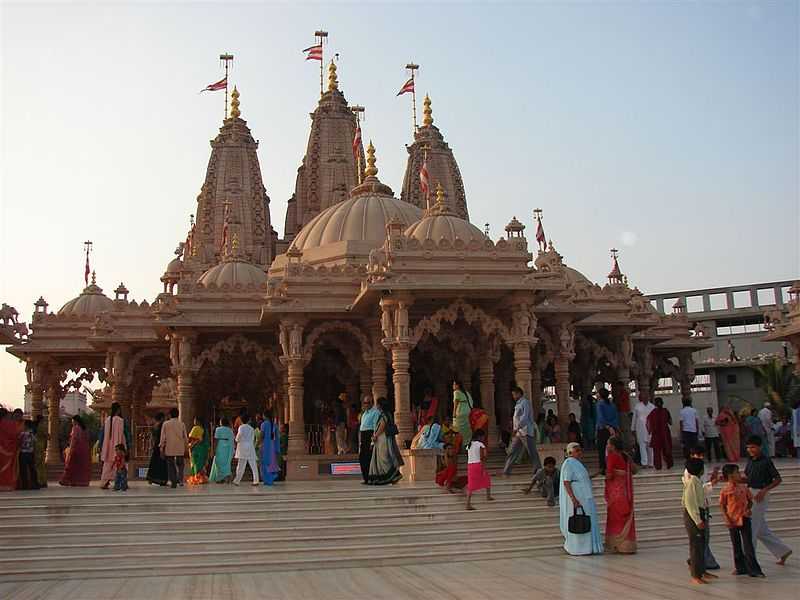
[654,573]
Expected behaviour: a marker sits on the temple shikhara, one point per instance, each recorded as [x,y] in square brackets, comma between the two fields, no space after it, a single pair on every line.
[369,291]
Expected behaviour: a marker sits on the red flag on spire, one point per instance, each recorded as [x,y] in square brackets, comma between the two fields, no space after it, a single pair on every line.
[357,142]
[215,87]
[314,52]
[408,87]
[87,270]
[540,237]
[424,181]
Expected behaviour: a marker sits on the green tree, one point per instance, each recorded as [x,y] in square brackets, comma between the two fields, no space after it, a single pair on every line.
[780,383]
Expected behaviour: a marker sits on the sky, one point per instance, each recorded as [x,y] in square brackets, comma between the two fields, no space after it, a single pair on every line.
[669,130]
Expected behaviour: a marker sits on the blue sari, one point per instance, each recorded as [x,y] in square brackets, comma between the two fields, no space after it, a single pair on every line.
[269,459]
[223,454]
[585,543]
[430,437]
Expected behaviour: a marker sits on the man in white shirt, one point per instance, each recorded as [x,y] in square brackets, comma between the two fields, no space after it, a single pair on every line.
[641,411]
[245,451]
[711,435]
[765,416]
[690,425]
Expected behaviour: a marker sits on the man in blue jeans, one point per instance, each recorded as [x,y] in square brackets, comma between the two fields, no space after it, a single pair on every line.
[522,432]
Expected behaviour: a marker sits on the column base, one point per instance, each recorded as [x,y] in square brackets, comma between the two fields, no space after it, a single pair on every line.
[420,464]
[302,467]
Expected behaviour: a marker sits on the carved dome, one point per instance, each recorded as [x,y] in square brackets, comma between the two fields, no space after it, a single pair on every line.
[574,276]
[440,222]
[174,268]
[92,301]
[233,272]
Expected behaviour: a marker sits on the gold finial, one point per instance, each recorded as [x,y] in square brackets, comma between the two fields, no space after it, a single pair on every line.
[333,83]
[439,193]
[94,278]
[235,244]
[235,103]
[371,169]
[427,119]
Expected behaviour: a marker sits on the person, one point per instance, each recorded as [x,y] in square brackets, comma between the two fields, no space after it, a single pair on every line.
[575,492]
[692,502]
[541,432]
[447,477]
[658,422]
[708,481]
[271,449]
[732,356]
[40,429]
[762,478]
[755,428]
[796,429]
[462,405]
[641,412]
[607,426]
[728,426]
[736,503]
[554,428]
[120,467]
[9,451]
[429,405]
[157,468]
[574,432]
[237,422]
[27,459]
[113,435]
[588,422]
[620,522]
[766,418]
[385,465]
[173,447]
[711,435]
[340,419]
[477,476]
[547,480]
[223,453]
[431,435]
[523,433]
[622,401]
[199,446]
[245,450]
[783,438]
[690,426]
[284,440]
[368,421]
[78,462]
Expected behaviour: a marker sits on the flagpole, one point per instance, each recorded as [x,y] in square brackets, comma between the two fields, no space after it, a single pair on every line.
[425,164]
[88,247]
[226,58]
[413,67]
[357,109]
[321,35]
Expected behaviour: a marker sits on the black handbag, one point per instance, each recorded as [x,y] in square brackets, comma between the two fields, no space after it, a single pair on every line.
[391,429]
[579,523]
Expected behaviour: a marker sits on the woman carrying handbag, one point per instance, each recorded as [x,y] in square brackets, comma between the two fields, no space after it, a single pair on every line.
[577,505]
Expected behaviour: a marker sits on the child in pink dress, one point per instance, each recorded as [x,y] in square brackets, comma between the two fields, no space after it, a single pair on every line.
[477,475]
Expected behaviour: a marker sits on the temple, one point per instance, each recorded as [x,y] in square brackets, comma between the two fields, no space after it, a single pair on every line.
[366,293]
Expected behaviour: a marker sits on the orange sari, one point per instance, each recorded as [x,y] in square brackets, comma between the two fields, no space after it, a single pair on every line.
[620,523]
[9,457]
[729,431]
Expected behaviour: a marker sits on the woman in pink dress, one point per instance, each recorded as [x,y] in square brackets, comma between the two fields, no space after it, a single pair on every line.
[78,463]
[729,431]
[620,523]
[477,475]
[113,434]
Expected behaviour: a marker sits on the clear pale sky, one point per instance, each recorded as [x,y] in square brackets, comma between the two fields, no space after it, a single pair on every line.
[669,130]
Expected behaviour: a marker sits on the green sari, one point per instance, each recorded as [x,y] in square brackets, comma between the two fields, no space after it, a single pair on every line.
[39,453]
[462,405]
[199,455]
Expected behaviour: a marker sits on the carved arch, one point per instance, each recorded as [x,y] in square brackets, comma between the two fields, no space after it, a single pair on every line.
[137,358]
[331,326]
[212,354]
[489,325]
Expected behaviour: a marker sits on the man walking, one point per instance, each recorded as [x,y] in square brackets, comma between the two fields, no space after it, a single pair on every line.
[367,422]
[173,447]
[762,478]
[246,451]
[711,435]
[607,425]
[689,427]
[641,411]
[522,433]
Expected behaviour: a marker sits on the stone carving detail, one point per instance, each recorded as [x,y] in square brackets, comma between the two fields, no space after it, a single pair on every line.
[231,344]
[566,340]
[331,326]
[489,325]
[8,314]
[626,351]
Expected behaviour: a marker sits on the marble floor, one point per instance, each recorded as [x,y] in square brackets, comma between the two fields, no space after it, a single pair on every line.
[654,573]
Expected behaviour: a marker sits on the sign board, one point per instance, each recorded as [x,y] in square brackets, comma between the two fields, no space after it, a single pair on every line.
[345,468]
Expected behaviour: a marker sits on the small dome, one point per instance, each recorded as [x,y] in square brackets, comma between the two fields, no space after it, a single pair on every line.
[232,273]
[174,268]
[575,276]
[449,227]
[92,301]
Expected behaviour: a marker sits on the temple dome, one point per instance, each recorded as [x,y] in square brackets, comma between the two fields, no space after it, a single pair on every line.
[92,301]
[174,268]
[440,223]
[575,276]
[233,272]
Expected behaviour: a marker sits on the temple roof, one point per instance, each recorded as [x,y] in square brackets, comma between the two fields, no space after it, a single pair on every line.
[92,301]
[429,147]
[442,223]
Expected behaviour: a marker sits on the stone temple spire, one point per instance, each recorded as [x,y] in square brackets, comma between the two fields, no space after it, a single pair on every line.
[429,146]
[233,178]
[329,170]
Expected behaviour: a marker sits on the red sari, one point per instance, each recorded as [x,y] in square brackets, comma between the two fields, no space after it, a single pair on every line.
[660,438]
[620,523]
[78,465]
[9,455]
[729,431]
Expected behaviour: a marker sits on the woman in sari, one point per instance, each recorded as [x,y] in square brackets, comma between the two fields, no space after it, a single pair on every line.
[113,435]
[269,457]
[223,453]
[157,468]
[9,452]
[386,461]
[78,462]
[199,446]
[756,427]
[40,426]
[462,405]
[658,422]
[448,477]
[431,435]
[588,422]
[575,491]
[620,523]
[729,431]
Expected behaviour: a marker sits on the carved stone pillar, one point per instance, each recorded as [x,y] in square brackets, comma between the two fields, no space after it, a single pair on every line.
[561,367]
[120,392]
[379,388]
[297,428]
[402,393]
[364,380]
[182,353]
[536,388]
[35,374]
[686,366]
[53,453]
[487,396]
[522,367]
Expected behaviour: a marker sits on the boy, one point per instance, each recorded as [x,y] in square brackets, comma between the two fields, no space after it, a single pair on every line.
[547,481]
[120,469]
[736,502]
[762,478]
[692,501]
[708,482]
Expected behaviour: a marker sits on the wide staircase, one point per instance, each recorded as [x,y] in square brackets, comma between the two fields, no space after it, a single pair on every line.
[68,533]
